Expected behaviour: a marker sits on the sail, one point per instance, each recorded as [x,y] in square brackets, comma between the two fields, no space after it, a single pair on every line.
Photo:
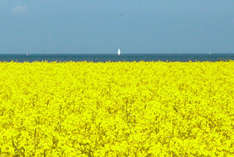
[118,52]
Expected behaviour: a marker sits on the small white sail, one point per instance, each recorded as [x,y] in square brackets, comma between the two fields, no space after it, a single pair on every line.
[27,53]
[210,52]
[119,52]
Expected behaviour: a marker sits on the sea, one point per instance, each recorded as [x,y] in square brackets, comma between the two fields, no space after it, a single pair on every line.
[115,57]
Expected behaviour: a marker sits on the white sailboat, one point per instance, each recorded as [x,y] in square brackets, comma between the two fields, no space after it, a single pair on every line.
[118,52]
[210,52]
[27,52]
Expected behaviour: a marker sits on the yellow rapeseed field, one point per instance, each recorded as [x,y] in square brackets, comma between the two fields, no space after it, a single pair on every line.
[141,109]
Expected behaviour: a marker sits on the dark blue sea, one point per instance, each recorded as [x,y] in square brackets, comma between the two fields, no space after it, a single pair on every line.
[114,57]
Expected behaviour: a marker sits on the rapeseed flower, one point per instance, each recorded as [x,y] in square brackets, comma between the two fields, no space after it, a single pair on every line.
[117,109]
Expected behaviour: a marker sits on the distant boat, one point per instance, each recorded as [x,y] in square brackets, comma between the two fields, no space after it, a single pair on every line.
[27,53]
[210,52]
[118,52]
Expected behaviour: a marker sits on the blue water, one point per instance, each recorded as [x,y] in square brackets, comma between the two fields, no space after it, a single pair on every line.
[114,58]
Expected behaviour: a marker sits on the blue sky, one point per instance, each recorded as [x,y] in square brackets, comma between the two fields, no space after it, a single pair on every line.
[136,26]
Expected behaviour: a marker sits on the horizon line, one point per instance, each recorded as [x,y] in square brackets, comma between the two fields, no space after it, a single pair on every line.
[167,53]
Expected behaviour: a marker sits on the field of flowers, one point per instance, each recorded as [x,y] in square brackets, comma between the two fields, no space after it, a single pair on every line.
[120,109]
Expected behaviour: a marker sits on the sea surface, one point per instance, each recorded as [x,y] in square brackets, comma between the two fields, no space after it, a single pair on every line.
[114,57]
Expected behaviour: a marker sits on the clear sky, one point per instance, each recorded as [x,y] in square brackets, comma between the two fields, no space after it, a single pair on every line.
[135,26]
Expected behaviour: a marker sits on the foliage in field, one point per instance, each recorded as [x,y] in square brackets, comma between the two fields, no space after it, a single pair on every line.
[117,109]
